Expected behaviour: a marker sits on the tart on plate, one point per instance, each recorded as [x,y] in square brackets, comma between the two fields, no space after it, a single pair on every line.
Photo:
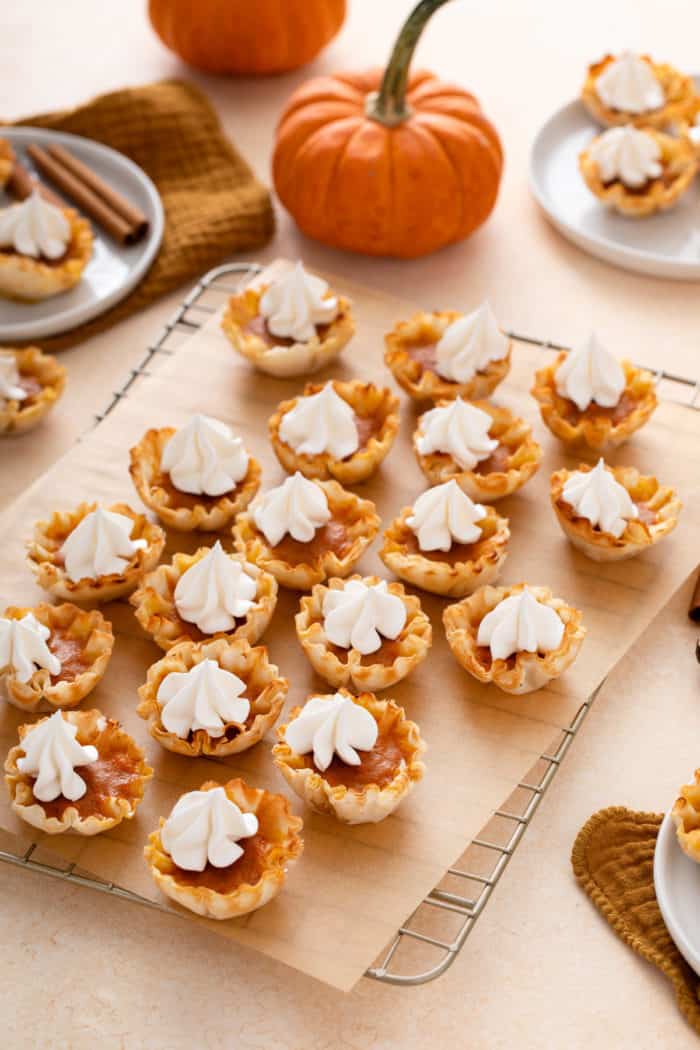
[43,249]
[445,354]
[634,89]
[340,430]
[75,771]
[445,543]
[224,850]
[93,553]
[52,656]
[205,595]
[197,477]
[487,450]
[611,513]
[590,400]
[290,327]
[686,817]
[304,532]
[518,637]
[353,757]
[212,698]
[363,632]
[30,384]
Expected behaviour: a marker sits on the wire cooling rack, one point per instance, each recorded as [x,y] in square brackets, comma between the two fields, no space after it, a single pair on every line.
[432,937]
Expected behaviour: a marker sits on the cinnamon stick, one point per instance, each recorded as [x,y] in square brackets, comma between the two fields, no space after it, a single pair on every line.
[21,184]
[133,215]
[694,610]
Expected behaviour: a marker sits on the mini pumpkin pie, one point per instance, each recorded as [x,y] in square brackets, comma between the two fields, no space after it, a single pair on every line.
[93,553]
[196,478]
[611,513]
[487,450]
[353,757]
[589,399]
[445,543]
[304,532]
[686,817]
[224,849]
[212,698]
[205,595]
[7,161]
[52,655]
[435,356]
[75,771]
[340,430]
[518,637]
[290,327]
[30,384]
[43,249]
[633,89]
[638,171]
[363,632]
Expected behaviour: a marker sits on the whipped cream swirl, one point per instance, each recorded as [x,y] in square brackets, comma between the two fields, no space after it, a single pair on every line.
[627,154]
[459,429]
[597,496]
[51,754]
[36,228]
[520,623]
[628,84]
[206,827]
[359,615]
[23,647]
[100,545]
[445,515]
[295,303]
[10,390]
[205,697]
[297,506]
[322,422]
[590,373]
[215,591]
[205,458]
[469,344]
[335,726]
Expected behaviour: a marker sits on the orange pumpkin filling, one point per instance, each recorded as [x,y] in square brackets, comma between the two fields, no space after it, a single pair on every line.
[333,536]
[647,516]
[378,766]
[257,326]
[71,654]
[247,869]
[625,406]
[175,497]
[458,552]
[115,774]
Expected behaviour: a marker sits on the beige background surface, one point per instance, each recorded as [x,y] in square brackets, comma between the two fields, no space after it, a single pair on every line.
[541,970]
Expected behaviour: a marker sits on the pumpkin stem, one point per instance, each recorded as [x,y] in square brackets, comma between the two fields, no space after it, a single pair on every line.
[388,105]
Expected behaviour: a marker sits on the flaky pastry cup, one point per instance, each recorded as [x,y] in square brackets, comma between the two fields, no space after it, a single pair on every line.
[44,553]
[645,491]
[265,689]
[679,164]
[441,572]
[155,609]
[277,825]
[368,402]
[512,433]
[348,667]
[686,817]
[367,803]
[422,381]
[596,428]
[523,672]
[42,371]
[679,92]
[30,280]
[285,361]
[7,161]
[358,515]
[84,634]
[182,511]
[110,739]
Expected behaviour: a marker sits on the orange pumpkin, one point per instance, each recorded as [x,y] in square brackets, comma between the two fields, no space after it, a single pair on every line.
[246,36]
[393,164]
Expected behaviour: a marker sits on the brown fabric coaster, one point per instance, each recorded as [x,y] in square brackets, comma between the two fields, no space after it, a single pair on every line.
[214,205]
[613,860]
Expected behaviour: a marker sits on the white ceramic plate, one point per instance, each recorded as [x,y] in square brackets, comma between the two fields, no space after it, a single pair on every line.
[113,270]
[677,885]
[666,244]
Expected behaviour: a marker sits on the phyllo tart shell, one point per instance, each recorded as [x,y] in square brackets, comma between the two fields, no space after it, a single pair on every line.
[224,893]
[679,92]
[7,161]
[394,660]
[25,278]
[686,817]
[264,688]
[44,380]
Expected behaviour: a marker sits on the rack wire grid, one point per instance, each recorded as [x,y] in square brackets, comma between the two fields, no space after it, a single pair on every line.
[432,937]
